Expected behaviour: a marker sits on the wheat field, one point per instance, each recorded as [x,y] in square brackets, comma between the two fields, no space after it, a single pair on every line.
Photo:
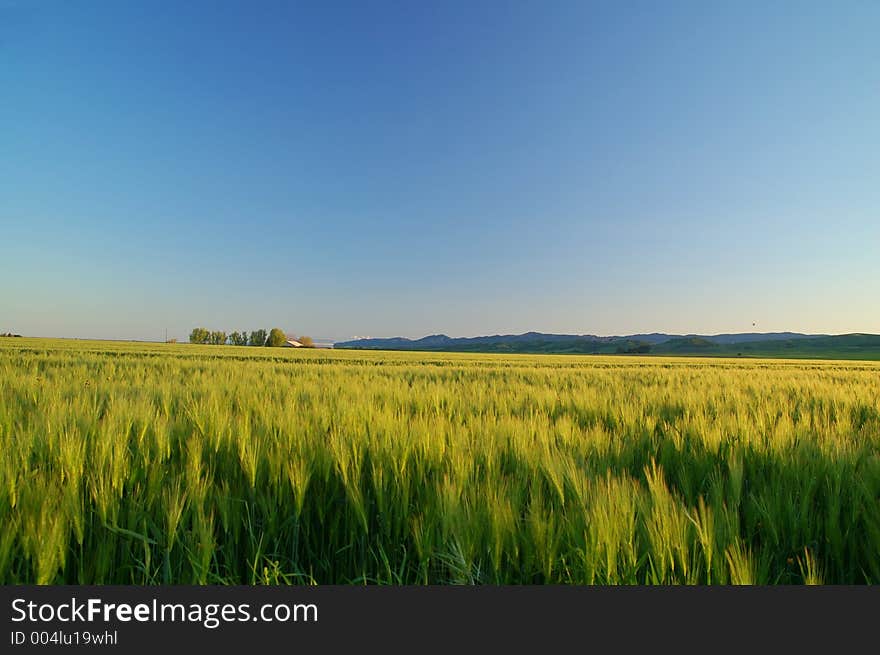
[127,463]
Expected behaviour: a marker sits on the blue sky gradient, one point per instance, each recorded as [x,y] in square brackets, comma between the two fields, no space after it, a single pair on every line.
[400,168]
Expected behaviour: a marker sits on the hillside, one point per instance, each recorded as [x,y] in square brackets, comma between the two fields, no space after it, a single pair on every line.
[779,344]
[843,346]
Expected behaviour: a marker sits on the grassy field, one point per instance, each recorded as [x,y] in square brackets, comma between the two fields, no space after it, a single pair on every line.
[155,464]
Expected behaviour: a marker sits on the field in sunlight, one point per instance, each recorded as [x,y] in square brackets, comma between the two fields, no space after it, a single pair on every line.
[153,464]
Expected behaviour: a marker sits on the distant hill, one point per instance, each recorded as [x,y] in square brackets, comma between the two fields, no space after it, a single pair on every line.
[754,344]
[687,344]
[565,341]
[842,346]
[528,342]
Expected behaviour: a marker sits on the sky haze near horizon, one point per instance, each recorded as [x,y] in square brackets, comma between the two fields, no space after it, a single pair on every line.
[402,169]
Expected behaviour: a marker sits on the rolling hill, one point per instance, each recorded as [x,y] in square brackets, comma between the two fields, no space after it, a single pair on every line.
[752,344]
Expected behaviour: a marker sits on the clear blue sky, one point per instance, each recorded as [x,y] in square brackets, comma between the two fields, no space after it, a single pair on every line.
[382,169]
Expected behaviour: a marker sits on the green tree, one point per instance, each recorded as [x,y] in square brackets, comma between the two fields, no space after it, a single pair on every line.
[276,338]
[217,338]
[199,335]
[257,338]
[307,342]
[238,339]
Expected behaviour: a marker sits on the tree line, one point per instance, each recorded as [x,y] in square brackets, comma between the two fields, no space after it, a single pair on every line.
[273,338]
